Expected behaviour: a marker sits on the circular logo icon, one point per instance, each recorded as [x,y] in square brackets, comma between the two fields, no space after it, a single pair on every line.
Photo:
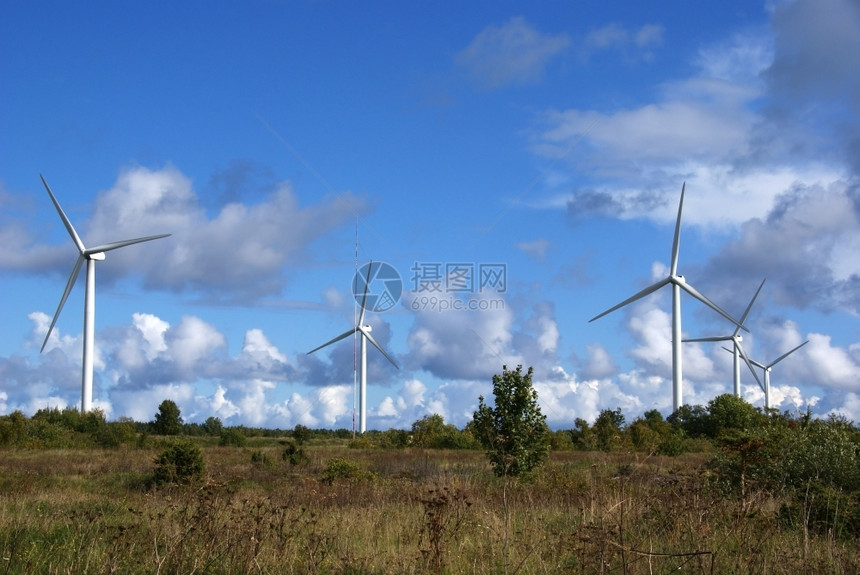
[377,286]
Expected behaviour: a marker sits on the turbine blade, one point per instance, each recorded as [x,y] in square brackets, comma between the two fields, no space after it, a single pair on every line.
[714,338]
[377,346]
[647,291]
[750,365]
[69,227]
[749,307]
[121,244]
[786,354]
[701,297]
[676,243]
[364,297]
[69,285]
[335,340]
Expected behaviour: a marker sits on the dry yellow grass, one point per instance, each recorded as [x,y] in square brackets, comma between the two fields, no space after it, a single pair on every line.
[411,511]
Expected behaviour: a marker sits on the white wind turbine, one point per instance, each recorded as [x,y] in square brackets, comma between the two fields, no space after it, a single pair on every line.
[91,255]
[736,338]
[364,330]
[767,368]
[678,283]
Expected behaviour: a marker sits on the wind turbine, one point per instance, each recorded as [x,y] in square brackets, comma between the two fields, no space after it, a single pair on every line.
[766,368]
[91,255]
[678,283]
[364,330]
[736,338]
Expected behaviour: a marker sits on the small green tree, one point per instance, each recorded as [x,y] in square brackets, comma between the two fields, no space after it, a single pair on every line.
[582,436]
[302,434]
[213,426]
[232,437]
[608,428]
[168,420]
[729,414]
[514,432]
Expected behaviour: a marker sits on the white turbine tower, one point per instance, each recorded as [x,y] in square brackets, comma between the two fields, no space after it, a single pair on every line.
[364,331]
[678,283]
[767,368]
[91,255]
[736,338]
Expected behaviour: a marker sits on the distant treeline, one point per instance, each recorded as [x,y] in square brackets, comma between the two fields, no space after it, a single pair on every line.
[690,429]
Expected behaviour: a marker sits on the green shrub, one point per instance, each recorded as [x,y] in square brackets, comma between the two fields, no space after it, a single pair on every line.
[295,455]
[181,463]
[114,434]
[260,459]
[339,468]
[232,437]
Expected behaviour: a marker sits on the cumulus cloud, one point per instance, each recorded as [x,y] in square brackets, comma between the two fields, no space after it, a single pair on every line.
[458,344]
[805,246]
[236,255]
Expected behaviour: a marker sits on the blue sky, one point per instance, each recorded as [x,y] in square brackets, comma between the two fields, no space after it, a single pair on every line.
[551,139]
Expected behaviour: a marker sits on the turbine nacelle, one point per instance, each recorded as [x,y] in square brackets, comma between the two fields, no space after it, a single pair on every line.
[98,256]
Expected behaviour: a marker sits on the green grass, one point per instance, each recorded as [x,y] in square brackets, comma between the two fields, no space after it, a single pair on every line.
[408,511]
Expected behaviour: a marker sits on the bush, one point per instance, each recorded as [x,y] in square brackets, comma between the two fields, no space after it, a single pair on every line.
[232,437]
[114,434]
[339,468]
[260,459]
[295,455]
[180,463]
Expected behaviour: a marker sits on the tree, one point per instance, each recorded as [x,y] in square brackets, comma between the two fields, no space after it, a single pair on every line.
[432,432]
[514,432]
[168,420]
[302,434]
[213,426]
[728,413]
[608,429]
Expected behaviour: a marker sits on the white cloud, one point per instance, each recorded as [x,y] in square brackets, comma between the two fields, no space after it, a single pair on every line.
[514,53]
[239,254]
[193,341]
[535,249]
[462,344]
[635,44]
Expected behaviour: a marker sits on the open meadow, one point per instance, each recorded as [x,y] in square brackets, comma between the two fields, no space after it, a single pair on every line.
[345,510]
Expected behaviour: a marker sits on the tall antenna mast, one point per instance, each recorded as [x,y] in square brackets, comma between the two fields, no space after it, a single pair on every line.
[355,334]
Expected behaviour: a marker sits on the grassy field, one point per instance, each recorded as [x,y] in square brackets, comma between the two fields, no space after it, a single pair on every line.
[354,511]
